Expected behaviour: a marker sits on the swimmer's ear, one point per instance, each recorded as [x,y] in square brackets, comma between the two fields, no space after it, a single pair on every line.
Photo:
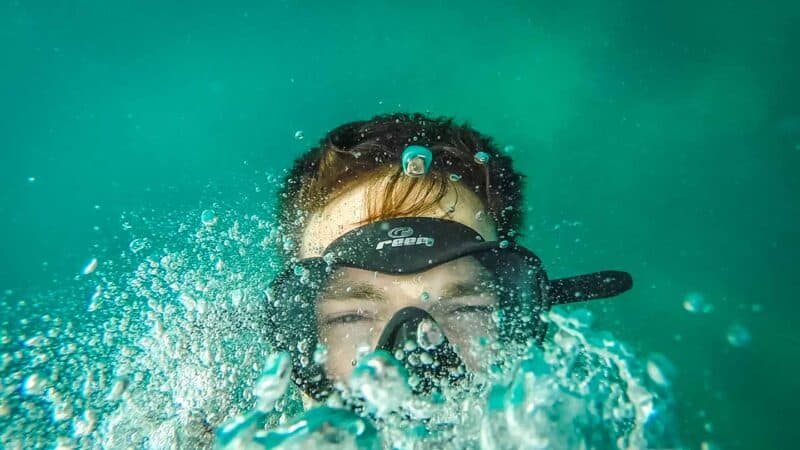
[607,283]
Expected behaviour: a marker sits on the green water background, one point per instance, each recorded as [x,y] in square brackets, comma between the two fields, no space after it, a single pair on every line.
[658,137]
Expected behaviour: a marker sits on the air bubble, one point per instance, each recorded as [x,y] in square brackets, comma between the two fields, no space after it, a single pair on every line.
[36,341]
[85,424]
[429,335]
[695,303]
[35,384]
[119,388]
[329,258]
[321,354]
[426,359]
[62,411]
[138,245]
[482,157]
[188,302]
[455,177]
[273,381]
[236,297]
[738,335]
[425,296]
[299,135]
[381,381]
[660,369]
[89,267]
[208,217]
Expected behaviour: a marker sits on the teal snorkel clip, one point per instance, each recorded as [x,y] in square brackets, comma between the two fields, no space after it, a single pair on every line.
[416,160]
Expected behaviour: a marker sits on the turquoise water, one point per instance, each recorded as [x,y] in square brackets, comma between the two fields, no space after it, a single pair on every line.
[661,139]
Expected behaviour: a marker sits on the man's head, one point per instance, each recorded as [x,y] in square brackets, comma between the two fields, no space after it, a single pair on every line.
[354,177]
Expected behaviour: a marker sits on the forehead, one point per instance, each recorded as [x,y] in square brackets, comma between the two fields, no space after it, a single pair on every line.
[348,211]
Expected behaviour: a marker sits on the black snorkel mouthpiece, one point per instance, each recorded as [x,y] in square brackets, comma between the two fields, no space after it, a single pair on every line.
[416,340]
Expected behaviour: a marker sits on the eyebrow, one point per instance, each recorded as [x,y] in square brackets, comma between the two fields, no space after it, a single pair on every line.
[344,290]
[463,289]
[357,291]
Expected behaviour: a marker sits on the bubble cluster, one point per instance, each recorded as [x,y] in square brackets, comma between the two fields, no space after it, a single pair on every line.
[582,390]
[168,348]
[381,381]
[157,347]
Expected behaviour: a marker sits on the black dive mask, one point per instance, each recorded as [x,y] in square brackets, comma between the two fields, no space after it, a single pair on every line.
[481,285]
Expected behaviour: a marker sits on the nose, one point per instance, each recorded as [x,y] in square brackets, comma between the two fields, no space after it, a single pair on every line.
[426,352]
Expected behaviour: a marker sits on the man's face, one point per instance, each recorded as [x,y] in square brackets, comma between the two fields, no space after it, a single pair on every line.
[356,305]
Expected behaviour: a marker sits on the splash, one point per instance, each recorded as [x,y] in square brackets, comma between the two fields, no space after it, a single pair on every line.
[163,344]
[583,389]
[154,347]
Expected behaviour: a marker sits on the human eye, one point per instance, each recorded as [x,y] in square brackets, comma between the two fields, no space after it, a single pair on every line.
[472,309]
[345,319]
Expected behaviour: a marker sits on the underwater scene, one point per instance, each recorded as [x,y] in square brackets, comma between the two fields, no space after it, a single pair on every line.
[425,224]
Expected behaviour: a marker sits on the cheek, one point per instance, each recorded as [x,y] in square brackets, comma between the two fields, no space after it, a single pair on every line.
[348,335]
[343,343]
[464,333]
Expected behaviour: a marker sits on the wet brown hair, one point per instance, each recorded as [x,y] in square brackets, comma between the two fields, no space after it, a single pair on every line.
[371,151]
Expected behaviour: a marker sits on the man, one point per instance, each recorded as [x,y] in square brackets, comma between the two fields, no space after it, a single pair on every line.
[399,236]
